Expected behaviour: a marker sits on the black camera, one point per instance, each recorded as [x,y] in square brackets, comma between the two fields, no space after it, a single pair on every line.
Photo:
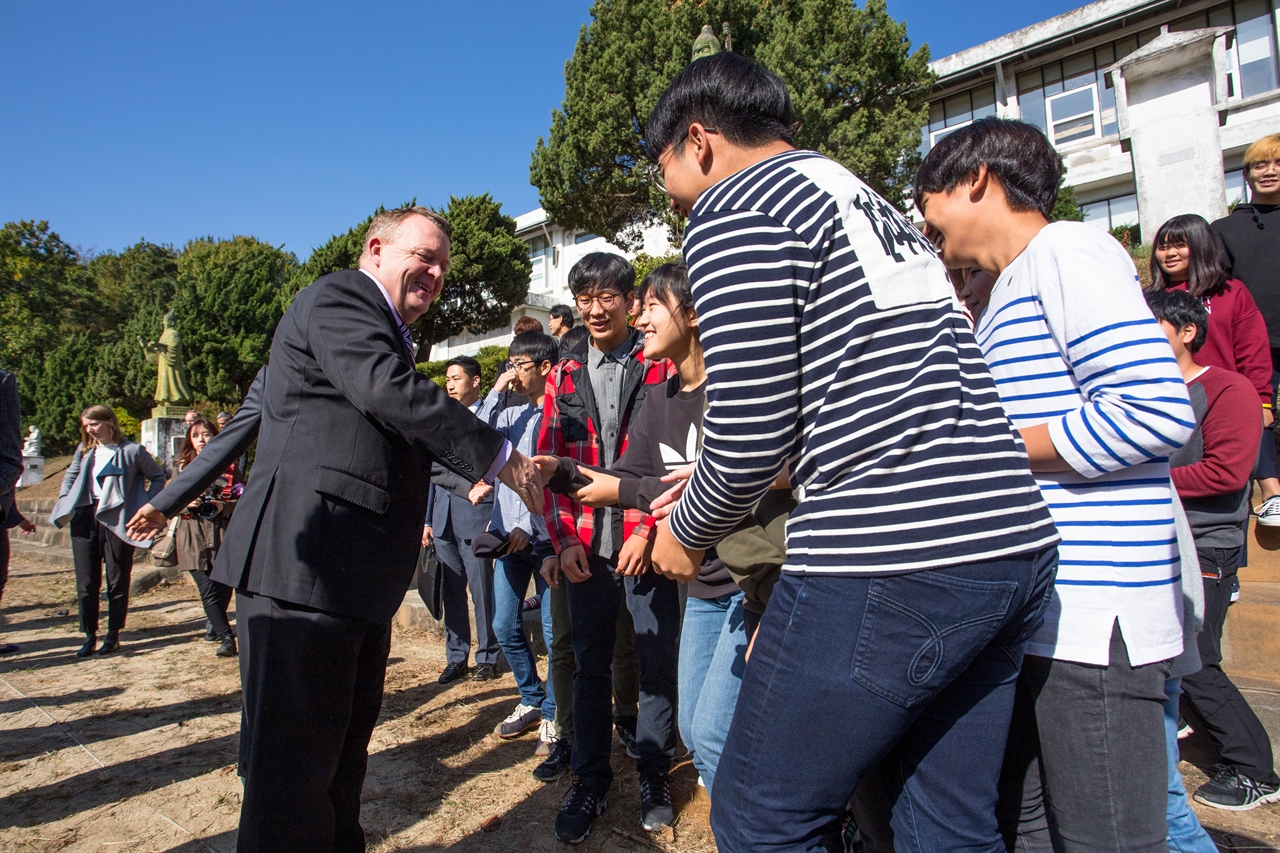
[206,508]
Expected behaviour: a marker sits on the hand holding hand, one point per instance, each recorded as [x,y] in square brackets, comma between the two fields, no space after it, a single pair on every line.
[601,491]
[146,523]
[521,476]
[574,565]
[673,560]
[634,558]
[479,492]
[547,467]
[665,502]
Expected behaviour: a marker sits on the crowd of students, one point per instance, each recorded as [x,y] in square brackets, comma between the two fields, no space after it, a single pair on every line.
[1014,489]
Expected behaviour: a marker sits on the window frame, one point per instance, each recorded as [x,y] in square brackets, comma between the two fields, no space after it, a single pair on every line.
[1052,121]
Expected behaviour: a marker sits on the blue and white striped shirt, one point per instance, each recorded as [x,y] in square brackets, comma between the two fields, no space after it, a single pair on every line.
[833,342]
[1071,342]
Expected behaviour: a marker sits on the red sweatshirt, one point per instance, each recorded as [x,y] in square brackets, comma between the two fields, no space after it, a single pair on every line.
[1211,472]
[1237,338]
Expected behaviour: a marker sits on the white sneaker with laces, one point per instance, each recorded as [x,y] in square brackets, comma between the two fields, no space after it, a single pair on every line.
[546,737]
[1269,512]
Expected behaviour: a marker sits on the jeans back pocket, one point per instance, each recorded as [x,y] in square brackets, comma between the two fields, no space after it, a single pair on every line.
[921,630]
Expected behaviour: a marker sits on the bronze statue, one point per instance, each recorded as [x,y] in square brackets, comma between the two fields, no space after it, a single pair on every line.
[171,375]
[706,44]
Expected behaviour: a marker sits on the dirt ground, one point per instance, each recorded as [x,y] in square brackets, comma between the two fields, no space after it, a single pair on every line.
[136,752]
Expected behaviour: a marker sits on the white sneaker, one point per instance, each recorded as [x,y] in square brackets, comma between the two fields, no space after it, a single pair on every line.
[1269,512]
[523,718]
[546,738]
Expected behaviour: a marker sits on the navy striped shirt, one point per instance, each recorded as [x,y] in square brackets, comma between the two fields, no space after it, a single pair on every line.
[833,342]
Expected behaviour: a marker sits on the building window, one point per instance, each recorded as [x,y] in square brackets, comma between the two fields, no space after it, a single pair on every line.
[949,114]
[584,238]
[1235,187]
[1113,213]
[1069,99]
[537,257]
[1252,55]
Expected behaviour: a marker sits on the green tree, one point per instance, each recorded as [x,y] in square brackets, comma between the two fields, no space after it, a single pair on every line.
[1066,207]
[228,304]
[858,93]
[488,269]
[45,292]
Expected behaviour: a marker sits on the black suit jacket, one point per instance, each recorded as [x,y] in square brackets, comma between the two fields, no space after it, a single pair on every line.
[347,430]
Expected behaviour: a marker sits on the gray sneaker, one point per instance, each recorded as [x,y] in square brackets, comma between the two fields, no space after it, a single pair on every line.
[521,720]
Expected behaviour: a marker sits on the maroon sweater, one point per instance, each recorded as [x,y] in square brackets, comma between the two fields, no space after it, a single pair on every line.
[1211,472]
[1237,337]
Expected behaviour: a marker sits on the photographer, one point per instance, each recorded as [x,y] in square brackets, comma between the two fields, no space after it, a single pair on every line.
[199,534]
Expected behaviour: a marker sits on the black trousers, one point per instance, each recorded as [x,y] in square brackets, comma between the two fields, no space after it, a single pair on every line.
[198,542]
[312,690]
[1232,725]
[92,546]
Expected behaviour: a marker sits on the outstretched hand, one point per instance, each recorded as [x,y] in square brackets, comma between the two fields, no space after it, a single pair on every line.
[146,523]
[479,492]
[521,476]
[602,491]
[665,502]
[547,467]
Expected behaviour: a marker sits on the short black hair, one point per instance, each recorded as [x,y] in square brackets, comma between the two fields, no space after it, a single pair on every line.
[669,284]
[535,345]
[564,314]
[466,362]
[602,269]
[1179,308]
[1017,154]
[1209,259]
[744,101]
[574,342]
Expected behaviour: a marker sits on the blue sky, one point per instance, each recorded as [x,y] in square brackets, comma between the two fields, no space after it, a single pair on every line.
[291,121]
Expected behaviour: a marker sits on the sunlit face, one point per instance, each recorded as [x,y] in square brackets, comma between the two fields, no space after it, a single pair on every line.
[199,437]
[949,217]
[604,311]
[99,431]
[1175,259]
[530,376]
[190,417]
[411,265]
[556,326]
[976,290]
[1179,339]
[1264,177]
[665,336]
[460,386]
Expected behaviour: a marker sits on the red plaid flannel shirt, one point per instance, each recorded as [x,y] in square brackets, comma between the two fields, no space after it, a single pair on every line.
[568,522]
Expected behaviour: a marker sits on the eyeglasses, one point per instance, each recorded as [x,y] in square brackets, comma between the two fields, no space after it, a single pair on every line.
[607,300]
[1263,165]
[524,366]
[654,170]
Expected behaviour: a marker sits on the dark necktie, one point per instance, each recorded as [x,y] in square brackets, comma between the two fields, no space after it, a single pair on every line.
[404,333]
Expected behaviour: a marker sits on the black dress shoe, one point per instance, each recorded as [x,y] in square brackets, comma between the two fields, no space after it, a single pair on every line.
[228,648]
[90,644]
[109,645]
[453,672]
[485,672]
[210,636]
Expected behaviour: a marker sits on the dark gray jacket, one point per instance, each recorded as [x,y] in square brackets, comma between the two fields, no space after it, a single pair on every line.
[347,429]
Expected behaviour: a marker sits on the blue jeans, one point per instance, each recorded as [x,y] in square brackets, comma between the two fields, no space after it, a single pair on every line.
[510,583]
[1186,835]
[913,672]
[713,649]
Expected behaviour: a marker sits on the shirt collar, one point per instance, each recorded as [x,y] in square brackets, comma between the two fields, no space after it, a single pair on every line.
[386,296]
[596,358]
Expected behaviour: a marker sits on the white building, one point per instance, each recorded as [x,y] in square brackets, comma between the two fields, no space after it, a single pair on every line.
[553,251]
[1151,103]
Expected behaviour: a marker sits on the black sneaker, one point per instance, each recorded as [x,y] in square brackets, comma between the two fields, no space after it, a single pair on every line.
[556,764]
[210,635]
[584,805]
[626,733]
[655,802]
[1232,790]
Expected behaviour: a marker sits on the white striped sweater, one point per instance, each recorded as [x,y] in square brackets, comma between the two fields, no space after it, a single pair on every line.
[1071,342]
[833,341]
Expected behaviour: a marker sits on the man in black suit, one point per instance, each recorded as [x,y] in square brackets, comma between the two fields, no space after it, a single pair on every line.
[452,522]
[325,538]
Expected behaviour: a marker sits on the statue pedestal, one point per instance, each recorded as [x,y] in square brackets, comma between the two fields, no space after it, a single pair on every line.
[163,436]
[178,412]
[32,471]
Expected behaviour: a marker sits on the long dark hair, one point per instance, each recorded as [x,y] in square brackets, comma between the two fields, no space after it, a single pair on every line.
[188,451]
[1207,275]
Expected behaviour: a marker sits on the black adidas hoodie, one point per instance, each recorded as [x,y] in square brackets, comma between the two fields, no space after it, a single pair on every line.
[1252,235]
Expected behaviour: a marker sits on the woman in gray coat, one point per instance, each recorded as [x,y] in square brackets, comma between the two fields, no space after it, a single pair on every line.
[109,479]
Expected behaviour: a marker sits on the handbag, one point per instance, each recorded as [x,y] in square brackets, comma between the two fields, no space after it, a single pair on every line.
[164,550]
[431,581]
